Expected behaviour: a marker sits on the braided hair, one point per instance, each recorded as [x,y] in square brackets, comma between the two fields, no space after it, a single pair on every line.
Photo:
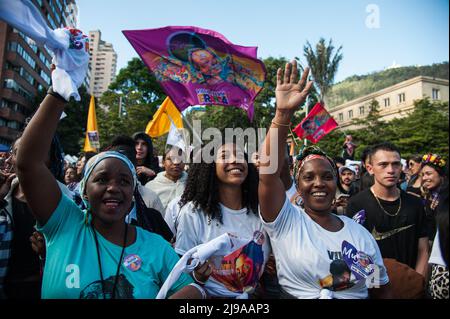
[202,189]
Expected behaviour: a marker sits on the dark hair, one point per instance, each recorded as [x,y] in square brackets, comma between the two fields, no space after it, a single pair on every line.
[338,267]
[148,140]
[202,189]
[435,161]
[439,170]
[89,155]
[150,160]
[365,154]
[416,158]
[339,159]
[71,166]
[385,146]
[125,145]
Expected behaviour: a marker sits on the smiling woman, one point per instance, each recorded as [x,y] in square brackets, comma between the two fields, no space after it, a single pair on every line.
[433,179]
[311,245]
[221,197]
[92,253]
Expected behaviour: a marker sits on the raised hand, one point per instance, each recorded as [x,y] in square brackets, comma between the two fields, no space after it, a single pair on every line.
[289,93]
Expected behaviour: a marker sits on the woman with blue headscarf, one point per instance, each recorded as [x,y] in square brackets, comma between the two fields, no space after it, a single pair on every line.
[92,253]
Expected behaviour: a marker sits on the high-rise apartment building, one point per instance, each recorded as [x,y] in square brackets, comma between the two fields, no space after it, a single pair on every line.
[25,67]
[102,63]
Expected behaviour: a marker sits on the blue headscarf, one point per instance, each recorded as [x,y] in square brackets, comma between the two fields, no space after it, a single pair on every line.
[92,163]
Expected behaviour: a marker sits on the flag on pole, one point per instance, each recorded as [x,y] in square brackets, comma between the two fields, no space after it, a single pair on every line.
[316,124]
[176,138]
[200,67]
[163,118]
[92,141]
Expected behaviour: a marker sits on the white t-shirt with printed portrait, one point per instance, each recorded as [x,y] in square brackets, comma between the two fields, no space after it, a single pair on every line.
[310,260]
[238,272]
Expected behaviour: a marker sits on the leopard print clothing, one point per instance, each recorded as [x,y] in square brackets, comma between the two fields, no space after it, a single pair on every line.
[439,282]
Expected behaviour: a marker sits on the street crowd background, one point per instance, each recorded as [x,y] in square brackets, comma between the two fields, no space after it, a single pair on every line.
[353,214]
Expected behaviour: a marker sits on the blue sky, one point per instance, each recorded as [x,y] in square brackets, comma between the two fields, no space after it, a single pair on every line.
[411,32]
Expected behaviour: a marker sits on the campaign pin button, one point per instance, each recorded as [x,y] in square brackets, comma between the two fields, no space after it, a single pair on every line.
[132,262]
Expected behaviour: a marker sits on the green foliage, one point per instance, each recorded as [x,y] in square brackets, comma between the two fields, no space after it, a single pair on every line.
[424,130]
[360,85]
[324,62]
[141,96]
[133,120]
[136,78]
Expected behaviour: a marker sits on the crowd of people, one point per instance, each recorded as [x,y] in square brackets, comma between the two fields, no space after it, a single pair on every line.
[115,224]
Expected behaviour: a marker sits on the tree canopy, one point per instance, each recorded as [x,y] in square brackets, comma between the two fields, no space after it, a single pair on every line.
[423,130]
[324,62]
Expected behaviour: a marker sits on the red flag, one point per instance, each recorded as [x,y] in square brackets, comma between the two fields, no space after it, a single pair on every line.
[316,125]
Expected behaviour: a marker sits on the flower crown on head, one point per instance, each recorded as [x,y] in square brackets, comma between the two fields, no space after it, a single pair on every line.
[433,159]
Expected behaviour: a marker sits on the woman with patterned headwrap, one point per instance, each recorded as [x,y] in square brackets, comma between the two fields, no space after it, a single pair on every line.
[307,240]
[92,253]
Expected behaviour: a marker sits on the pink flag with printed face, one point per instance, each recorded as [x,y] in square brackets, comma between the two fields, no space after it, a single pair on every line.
[196,66]
[316,125]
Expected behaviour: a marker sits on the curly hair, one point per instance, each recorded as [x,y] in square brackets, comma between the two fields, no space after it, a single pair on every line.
[202,189]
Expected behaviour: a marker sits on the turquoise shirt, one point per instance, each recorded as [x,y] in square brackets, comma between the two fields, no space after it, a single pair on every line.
[72,269]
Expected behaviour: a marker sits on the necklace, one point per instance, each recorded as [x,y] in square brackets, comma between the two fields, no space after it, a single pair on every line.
[113,296]
[381,206]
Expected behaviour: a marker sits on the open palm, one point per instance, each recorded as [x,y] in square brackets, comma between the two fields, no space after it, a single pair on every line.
[289,93]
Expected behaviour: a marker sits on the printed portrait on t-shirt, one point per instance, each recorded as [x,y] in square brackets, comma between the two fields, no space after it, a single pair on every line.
[240,271]
[339,278]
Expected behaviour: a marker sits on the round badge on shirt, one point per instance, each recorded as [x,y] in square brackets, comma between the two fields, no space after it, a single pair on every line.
[132,262]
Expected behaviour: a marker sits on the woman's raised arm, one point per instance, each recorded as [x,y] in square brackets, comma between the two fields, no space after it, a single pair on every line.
[290,95]
[39,186]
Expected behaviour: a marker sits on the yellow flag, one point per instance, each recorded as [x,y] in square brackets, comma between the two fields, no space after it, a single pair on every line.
[91,143]
[160,124]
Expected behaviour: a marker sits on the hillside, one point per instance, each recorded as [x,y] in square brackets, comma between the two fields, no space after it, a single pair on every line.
[360,85]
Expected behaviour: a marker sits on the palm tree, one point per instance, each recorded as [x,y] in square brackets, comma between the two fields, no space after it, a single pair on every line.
[323,64]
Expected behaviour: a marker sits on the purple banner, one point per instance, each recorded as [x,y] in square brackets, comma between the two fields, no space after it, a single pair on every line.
[200,67]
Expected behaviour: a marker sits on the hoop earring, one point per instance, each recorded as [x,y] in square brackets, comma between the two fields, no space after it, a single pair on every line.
[298,200]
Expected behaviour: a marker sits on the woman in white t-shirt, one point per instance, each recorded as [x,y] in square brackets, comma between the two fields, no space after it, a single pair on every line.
[318,254]
[221,197]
